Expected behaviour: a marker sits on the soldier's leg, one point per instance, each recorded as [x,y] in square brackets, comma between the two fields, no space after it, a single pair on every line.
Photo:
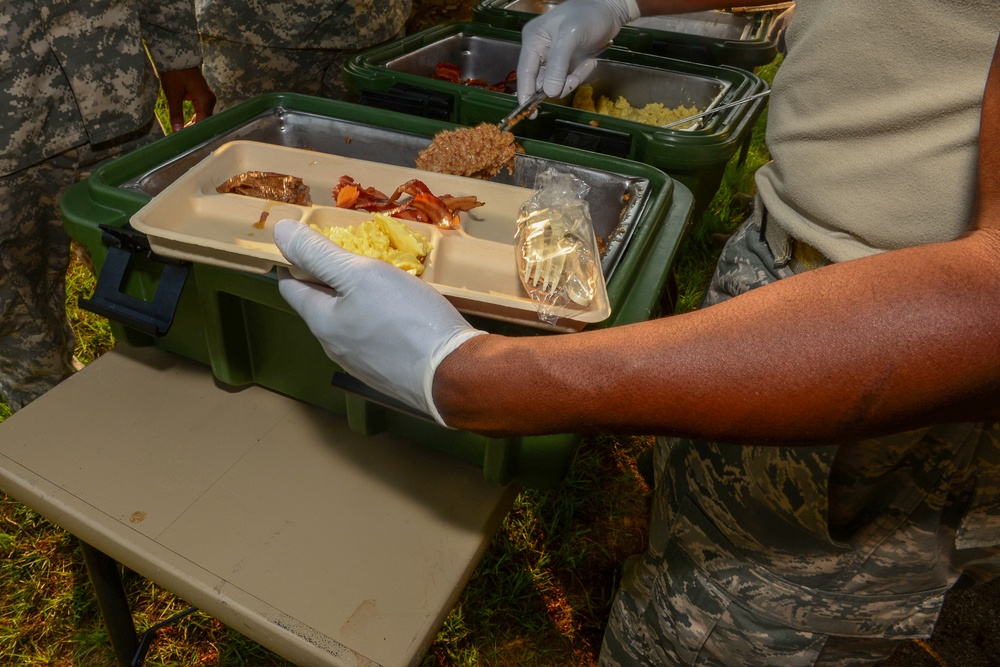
[663,613]
[783,556]
[36,340]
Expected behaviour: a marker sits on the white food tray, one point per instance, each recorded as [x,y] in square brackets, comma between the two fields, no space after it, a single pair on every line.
[473,266]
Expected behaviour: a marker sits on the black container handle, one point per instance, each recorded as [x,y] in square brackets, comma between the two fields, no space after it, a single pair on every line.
[596,139]
[150,317]
[411,100]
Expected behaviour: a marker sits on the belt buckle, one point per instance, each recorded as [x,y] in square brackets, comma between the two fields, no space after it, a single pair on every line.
[807,256]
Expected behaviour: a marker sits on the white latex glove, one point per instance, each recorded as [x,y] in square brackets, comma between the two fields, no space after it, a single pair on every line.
[559,48]
[382,325]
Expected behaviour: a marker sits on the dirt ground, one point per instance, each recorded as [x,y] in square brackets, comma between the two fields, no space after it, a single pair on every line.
[967,634]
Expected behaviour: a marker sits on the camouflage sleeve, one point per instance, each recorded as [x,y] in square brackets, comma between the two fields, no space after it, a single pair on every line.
[304,24]
[171,33]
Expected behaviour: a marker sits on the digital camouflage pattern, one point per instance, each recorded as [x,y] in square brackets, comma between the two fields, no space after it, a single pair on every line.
[303,24]
[808,555]
[251,48]
[78,87]
[76,72]
[36,341]
[237,72]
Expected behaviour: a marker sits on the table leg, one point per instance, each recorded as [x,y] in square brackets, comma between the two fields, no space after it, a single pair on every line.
[107,583]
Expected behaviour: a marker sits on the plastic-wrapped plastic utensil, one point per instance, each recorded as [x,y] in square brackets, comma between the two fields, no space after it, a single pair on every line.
[555,246]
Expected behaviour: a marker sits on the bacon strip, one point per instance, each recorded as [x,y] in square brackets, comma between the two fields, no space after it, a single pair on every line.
[447,71]
[421,206]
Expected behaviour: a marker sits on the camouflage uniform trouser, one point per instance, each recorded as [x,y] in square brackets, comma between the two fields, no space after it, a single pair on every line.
[237,71]
[807,555]
[36,340]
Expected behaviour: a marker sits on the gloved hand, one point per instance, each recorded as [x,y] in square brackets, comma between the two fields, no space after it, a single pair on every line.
[570,35]
[382,325]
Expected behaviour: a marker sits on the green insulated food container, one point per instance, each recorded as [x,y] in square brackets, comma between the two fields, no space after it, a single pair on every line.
[738,39]
[403,75]
[236,321]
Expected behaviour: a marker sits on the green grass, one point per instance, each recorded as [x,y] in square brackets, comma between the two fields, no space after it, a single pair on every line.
[93,336]
[544,587]
[539,597]
[724,214]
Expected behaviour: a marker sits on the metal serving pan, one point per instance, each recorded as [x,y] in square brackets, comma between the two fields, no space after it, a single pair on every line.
[715,24]
[739,38]
[615,200]
[491,59]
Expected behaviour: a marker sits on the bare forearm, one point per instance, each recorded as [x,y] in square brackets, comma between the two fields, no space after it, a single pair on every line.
[655,7]
[885,343]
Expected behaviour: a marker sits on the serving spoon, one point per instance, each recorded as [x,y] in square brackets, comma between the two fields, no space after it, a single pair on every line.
[687,119]
[521,112]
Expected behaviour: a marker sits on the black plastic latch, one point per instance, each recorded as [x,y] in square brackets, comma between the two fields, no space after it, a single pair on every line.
[150,317]
[412,100]
[351,384]
[589,138]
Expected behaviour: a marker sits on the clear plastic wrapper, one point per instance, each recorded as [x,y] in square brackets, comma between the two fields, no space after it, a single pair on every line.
[555,246]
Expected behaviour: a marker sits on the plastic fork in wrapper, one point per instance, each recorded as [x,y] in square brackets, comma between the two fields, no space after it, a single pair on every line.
[555,246]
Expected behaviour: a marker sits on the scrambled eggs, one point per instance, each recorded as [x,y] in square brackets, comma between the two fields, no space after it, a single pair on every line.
[651,114]
[383,238]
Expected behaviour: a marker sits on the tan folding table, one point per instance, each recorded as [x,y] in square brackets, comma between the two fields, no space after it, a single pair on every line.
[325,546]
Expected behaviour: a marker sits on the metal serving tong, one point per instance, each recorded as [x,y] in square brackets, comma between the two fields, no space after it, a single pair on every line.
[718,108]
[521,112]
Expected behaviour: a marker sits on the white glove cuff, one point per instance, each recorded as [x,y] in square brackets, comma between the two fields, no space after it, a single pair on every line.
[633,10]
[625,11]
[453,343]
